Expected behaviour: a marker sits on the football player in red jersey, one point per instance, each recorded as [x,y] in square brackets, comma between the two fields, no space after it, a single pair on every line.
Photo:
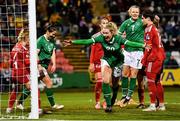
[153,61]
[141,74]
[95,64]
[20,64]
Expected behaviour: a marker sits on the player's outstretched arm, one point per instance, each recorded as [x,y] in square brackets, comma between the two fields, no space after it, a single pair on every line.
[138,45]
[78,42]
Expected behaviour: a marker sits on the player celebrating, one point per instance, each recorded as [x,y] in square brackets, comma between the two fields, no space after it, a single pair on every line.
[20,70]
[111,43]
[46,54]
[134,30]
[153,61]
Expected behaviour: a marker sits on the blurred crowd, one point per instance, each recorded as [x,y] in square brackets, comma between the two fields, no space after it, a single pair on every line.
[167,10]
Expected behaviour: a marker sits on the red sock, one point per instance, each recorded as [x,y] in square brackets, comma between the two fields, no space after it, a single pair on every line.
[152,90]
[39,100]
[98,90]
[141,96]
[160,92]
[12,98]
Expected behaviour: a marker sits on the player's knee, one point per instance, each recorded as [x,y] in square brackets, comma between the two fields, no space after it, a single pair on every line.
[125,74]
[106,78]
[134,74]
[49,85]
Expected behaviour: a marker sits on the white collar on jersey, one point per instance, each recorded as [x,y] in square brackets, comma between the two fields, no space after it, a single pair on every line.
[112,41]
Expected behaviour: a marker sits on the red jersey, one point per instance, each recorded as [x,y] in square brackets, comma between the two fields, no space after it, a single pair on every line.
[96,51]
[153,37]
[20,60]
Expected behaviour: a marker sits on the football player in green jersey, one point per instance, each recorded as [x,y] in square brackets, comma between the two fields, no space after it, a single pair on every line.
[134,30]
[111,43]
[46,54]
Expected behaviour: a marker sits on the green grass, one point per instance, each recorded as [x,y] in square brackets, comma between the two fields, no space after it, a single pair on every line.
[79,105]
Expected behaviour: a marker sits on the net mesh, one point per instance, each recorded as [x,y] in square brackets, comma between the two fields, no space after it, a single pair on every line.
[13,17]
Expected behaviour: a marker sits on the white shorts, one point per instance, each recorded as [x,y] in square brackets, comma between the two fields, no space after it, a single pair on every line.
[117,71]
[133,59]
[104,63]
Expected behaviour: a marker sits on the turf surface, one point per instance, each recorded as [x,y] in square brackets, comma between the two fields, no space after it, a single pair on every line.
[79,105]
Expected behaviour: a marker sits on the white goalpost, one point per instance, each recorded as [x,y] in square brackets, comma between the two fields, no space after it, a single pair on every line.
[14,14]
[33,60]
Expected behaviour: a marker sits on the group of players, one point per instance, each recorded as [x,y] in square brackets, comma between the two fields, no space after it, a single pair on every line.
[20,64]
[107,55]
[136,34]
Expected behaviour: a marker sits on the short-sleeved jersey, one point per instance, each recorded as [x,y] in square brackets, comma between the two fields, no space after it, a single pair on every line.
[96,51]
[20,60]
[112,49]
[153,37]
[46,48]
[134,32]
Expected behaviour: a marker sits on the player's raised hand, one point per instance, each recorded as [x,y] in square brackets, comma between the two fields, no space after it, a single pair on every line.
[67,42]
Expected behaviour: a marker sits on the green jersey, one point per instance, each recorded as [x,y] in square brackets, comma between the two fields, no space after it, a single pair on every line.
[46,48]
[112,49]
[134,31]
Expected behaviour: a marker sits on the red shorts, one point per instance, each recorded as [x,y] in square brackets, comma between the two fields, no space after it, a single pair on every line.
[21,77]
[97,67]
[153,69]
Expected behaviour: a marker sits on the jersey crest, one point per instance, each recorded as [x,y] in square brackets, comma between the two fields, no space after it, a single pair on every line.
[147,37]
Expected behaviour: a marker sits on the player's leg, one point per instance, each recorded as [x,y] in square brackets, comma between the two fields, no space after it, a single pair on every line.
[115,88]
[25,93]
[48,90]
[160,93]
[135,65]
[152,91]
[125,80]
[140,77]
[125,75]
[116,76]
[106,76]
[98,89]
[153,68]
[12,98]
[158,77]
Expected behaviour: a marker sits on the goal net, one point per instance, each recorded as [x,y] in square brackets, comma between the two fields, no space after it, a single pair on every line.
[16,16]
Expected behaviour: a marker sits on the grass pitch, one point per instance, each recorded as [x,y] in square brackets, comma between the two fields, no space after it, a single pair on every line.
[79,105]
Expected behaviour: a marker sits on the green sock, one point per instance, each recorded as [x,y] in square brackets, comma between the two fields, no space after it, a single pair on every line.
[124,85]
[50,97]
[25,93]
[107,93]
[131,87]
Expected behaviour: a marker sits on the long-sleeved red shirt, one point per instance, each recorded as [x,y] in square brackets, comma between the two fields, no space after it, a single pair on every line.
[20,60]
[153,37]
